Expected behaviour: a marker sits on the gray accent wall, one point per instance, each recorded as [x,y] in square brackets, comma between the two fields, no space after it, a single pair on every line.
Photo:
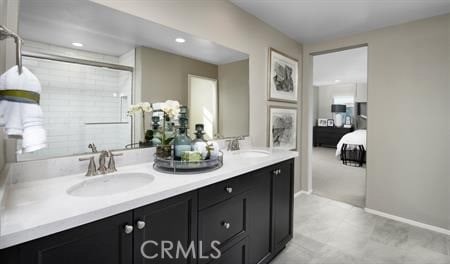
[163,75]
[408,158]
[233,99]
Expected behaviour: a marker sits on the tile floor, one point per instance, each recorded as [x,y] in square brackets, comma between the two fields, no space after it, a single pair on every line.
[331,232]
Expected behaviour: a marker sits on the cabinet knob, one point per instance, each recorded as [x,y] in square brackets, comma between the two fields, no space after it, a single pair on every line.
[140,224]
[226,225]
[228,189]
[128,229]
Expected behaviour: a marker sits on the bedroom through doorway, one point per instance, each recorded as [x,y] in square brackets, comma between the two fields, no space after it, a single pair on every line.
[340,125]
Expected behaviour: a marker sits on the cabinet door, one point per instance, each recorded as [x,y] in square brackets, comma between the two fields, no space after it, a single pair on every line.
[282,203]
[103,241]
[237,254]
[171,225]
[259,228]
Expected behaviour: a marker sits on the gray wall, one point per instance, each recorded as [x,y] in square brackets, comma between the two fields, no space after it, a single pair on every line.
[230,26]
[327,93]
[233,99]
[164,75]
[408,129]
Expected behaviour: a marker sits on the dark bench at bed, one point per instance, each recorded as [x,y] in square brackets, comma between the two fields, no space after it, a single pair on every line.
[353,155]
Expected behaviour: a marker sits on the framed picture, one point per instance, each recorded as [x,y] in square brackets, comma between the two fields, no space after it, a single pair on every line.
[282,127]
[283,77]
[330,122]
[322,122]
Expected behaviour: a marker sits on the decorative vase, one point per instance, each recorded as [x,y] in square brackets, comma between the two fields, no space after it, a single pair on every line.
[181,143]
[164,151]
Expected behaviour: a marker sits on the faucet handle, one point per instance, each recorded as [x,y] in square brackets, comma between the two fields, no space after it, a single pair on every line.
[92,170]
[112,162]
[92,147]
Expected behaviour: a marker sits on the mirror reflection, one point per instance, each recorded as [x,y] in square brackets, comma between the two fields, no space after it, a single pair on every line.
[94,66]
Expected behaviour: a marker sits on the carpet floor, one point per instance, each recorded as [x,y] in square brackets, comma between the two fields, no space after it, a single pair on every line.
[332,179]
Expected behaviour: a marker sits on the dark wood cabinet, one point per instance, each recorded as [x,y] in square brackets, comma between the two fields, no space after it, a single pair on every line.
[103,241]
[224,222]
[328,136]
[250,215]
[259,217]
[282,204]
[173,222]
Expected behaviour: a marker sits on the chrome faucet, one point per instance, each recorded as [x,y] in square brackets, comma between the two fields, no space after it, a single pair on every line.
[112,162]
[102,162]
[233,144]
[92,170]
[102,169]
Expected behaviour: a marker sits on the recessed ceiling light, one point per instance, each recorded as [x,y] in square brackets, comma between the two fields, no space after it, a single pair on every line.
[77,44]
[337,81]
[180,40]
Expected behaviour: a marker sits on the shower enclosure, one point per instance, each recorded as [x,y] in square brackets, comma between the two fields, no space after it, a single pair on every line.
[84,101]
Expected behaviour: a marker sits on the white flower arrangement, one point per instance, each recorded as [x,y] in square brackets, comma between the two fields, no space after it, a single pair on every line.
[171,108]
[144,107]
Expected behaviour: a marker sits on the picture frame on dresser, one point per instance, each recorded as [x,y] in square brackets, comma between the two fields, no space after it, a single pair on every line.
[322,122]
[330,123]
[282,77]
[282,126]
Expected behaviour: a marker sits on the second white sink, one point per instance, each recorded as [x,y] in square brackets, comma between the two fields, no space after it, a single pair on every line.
[110,184]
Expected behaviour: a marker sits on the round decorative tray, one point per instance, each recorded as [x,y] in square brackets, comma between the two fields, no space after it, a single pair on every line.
[178,166]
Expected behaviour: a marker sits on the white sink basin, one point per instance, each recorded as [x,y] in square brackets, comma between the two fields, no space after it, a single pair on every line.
[251,153]
[110,184]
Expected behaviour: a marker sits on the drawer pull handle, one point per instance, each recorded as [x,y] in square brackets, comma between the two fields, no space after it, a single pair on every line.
[140,224]
[128,229]
[229,189]
[226,225]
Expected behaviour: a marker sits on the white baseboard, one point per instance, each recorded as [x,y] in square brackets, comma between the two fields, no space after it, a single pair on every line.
[408,221]
[301,192]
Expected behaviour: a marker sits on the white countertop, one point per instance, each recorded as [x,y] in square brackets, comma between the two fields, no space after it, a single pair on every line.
[34,209]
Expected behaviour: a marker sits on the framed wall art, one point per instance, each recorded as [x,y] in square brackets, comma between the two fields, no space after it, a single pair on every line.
[283,77]
[282,127]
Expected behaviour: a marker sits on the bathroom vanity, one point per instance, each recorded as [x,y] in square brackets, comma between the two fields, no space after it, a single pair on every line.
[246,205]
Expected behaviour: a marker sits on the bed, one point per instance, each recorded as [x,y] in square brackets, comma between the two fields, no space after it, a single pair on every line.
[352,147]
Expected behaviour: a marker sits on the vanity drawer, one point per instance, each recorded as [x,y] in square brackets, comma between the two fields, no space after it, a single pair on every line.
[223,190]
[224,222]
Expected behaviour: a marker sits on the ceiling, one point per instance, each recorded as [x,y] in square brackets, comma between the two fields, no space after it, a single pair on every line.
[108,31]
[348,66]
[311,21]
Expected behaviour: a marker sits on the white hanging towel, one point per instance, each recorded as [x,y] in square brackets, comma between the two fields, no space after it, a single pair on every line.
[21,117]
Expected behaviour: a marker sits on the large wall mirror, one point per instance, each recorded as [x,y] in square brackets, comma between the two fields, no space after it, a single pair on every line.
[93,62]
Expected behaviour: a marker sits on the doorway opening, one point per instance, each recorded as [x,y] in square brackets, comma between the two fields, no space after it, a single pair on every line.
[203,104]
[340,125]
